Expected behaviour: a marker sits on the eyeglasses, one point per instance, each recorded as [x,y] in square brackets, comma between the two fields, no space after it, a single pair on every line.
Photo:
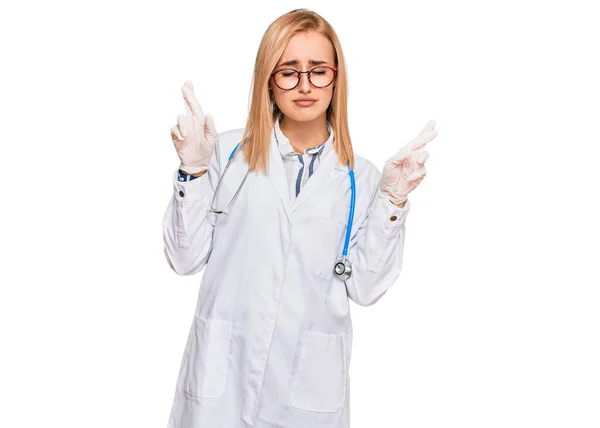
[320,77]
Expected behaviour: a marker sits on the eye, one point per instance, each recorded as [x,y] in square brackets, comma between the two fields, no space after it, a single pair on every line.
[320,70]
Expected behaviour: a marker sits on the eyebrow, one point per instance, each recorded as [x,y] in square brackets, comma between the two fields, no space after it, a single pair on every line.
[296,62]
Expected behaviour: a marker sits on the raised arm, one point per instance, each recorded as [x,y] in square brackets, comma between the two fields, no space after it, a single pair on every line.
[187,223]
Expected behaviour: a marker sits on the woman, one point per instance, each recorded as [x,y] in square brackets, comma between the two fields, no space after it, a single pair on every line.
[271,337]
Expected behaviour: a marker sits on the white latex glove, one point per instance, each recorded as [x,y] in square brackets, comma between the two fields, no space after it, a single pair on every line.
[405,170]
[195,135]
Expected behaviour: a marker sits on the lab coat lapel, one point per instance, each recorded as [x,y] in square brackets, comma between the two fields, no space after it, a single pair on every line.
[329,169]
[278,177]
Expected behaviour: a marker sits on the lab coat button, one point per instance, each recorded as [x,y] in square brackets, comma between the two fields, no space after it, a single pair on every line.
[393,218]
[181,193]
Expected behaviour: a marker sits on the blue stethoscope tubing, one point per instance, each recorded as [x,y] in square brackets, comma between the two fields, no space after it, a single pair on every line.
[339,267]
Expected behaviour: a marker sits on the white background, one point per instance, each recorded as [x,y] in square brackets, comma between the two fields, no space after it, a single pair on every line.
[494,321]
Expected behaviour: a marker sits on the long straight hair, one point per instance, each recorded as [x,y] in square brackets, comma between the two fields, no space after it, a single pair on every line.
[263,109]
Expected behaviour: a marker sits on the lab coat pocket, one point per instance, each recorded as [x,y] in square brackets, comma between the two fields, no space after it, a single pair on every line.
[320,372]
[328,246]
[208,358]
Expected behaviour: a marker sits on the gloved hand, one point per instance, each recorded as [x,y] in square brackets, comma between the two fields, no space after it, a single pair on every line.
[405,170]
[195,135]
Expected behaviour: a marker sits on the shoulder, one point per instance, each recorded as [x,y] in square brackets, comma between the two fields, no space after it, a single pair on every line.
[227,141]
[366,170]
[231,134]
[367,176]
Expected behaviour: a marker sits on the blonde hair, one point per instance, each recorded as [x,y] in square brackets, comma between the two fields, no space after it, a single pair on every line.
[263,110]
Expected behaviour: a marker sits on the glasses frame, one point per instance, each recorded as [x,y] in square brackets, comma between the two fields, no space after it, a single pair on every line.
[305,72]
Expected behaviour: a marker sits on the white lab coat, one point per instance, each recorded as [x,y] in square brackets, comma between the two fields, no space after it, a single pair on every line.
[271,338]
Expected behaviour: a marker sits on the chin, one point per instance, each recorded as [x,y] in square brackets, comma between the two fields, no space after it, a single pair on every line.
[303,114]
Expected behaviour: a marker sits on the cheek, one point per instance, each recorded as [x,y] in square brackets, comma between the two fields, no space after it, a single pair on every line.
[283,99]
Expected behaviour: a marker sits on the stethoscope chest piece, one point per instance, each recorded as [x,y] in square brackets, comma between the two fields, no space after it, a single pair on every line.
[343,268]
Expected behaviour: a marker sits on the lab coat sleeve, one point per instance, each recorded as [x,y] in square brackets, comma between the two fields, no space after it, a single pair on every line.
[187,224]
[376,250]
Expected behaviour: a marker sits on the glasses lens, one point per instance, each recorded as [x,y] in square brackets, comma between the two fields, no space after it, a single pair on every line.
[321,76]
[286,79]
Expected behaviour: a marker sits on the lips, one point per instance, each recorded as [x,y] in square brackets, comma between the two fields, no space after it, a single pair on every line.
[305,103]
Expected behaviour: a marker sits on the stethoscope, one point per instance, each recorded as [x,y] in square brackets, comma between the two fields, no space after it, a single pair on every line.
[343,266]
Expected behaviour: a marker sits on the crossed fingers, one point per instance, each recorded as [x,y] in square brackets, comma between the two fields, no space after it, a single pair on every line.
[193,118]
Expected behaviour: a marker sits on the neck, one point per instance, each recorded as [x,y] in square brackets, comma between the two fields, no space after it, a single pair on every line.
[305,135]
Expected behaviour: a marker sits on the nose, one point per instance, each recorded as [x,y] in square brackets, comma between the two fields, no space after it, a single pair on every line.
[304,84]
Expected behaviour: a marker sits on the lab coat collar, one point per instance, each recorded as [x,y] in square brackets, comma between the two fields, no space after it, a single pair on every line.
[285,146]
[329,169]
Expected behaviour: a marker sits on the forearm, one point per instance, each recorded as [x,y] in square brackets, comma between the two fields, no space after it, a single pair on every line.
[376,252]
[187,229]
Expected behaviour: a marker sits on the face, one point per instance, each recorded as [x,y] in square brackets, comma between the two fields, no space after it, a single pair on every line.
[305,51]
